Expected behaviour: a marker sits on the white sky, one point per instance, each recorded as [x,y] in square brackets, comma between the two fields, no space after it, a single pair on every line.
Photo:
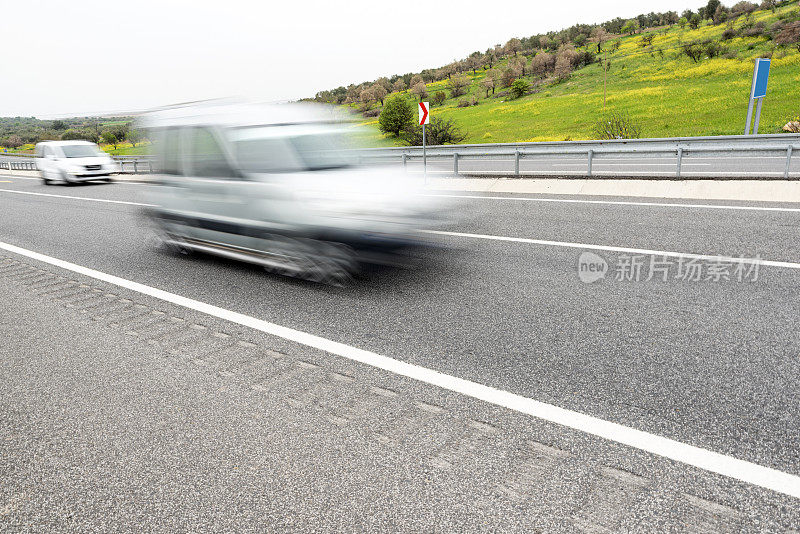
[81,57]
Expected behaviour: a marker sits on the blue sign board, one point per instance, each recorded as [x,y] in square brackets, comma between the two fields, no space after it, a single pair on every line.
[760,78]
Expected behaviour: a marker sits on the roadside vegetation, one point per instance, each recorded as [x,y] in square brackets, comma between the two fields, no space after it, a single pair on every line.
[115,136]
[656,75]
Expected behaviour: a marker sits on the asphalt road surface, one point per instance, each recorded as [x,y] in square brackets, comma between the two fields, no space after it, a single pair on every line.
[267,403]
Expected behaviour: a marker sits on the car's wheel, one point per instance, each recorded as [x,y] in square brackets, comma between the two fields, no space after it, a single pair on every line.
[108,179]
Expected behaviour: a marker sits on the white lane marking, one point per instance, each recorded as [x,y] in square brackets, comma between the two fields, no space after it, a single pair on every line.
[715,462]
[637,164]
[619,202]
[732,259]
[75,198]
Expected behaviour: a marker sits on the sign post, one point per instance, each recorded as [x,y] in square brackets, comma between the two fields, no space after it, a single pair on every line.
[758,90]
[424,118]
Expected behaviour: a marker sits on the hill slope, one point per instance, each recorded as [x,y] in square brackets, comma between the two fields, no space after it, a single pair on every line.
[657,85]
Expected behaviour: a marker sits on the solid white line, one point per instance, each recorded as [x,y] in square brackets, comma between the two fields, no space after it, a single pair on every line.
[75,198]
[731,259]
[619,202]
[637,164]
[715,462]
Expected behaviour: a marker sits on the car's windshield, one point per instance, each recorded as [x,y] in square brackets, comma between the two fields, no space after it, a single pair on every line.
[81,151]
[292,148]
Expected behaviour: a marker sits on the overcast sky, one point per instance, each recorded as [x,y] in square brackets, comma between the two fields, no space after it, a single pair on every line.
[80,57]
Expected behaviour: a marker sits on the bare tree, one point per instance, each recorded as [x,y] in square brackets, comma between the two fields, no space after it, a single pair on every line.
[458,85]
[542,63]
[399,85]
[489,82]
[385,83]
[599,36]
[379,92]
[517,64]
[367,97]
[565,61]
[513,46]
[420,90]
[416,79]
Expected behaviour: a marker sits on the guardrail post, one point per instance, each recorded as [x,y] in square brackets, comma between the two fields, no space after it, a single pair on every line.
[404,160]
[680,161]
[516,162]
[150,166]
[134,167]
[455,163]
[590,156]
[788,162]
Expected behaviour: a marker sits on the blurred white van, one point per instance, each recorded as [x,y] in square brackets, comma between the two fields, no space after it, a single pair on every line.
[70,162]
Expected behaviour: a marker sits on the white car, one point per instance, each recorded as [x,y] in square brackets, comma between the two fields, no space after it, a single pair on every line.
[73,161]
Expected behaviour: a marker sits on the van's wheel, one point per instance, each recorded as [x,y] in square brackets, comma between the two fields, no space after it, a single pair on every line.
[45,179]
[108,179]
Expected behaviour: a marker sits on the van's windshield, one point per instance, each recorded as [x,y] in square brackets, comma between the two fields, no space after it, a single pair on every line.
[292,148]
[81,151]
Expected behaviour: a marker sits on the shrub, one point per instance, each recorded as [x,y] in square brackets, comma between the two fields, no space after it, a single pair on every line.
[756,30]
[617,125]
[789,35]
[371,112]
[396,114]
[438,132]
[84,135]
[519,88]
[728,33]
[542,63]
[463,103]
[439,97]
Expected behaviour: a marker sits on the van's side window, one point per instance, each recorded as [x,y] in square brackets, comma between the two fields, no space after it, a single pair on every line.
[206,157]
[169,150]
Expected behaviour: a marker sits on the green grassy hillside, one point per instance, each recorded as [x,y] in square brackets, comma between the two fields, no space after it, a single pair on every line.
[657,85]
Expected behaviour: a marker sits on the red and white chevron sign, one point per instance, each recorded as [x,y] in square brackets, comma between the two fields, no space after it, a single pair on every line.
[424,118]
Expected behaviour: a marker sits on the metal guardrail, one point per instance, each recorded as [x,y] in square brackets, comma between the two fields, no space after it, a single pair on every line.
[635,149]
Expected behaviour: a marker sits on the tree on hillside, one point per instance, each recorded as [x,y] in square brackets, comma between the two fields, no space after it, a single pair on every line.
[769,4]
[59,125]
[565,61]
[489,58]
[399,85]
[396,114]
[385,83]
[512,46]
[84,135]
[721,14]
[134,137]
[630,27]
[711,8]
[543,63]
[13,141]
[599,36]
[367,97]
[695,21]
[743,8]
[420,90]
[458,85]
[439,97]
[110,138]
[488,83]
[682,22]
[518,65]
[379,92]
[416,79]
